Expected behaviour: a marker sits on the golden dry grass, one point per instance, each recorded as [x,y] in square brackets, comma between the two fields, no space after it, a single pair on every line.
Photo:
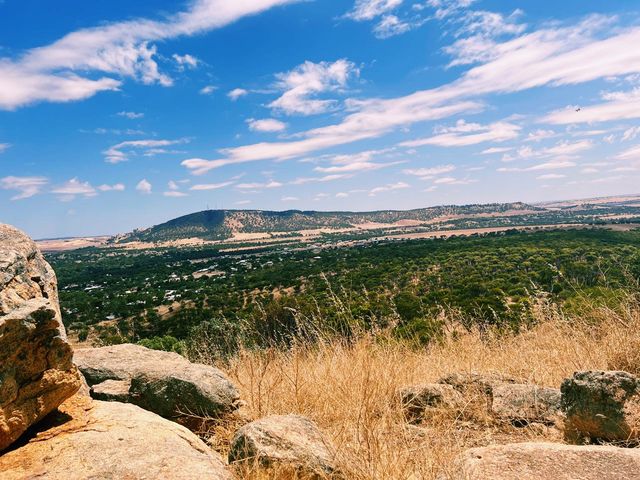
[349,389]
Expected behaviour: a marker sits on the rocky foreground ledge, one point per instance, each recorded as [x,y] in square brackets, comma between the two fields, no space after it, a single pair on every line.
[120,416]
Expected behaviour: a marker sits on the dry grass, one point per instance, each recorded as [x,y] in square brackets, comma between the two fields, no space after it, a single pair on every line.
[349,389]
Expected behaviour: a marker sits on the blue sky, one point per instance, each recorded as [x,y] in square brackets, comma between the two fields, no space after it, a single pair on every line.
[116,115]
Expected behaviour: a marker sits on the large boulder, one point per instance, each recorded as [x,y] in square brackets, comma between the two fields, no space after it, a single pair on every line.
[89,440]
[290,443]
[601,406]
[36,369]
[548,461]
[162,382]
[522,404]
[420,402]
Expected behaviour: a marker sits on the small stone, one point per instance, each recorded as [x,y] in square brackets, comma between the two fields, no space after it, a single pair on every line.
[289,441]
[419,401]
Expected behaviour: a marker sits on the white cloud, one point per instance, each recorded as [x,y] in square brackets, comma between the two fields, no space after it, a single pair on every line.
[4,146]
[210,186]
[289,199]
[387,188]
[144,186]
[357,162]
[236,93]
[551,176]
[619,106]
[174,194]
[326,178]
[492,150]
[208,90]
[258,185]
[305,81]
[130,115]
[390,26]
[563,150]
[123,150]
[464,134]
[552,57]
[370,9]
[630,133]
[25,186]
[243,202]
[342,195]
[266,125]
[70,189]
[117,51]
[453,181]
[117,187]
[185,61]
[540,134]
[427,173]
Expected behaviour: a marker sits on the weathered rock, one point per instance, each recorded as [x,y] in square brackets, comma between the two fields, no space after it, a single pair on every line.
[111,391]
[480,382]
[283,441]
[523,404]
[602,406]
[36,371]
[104,440]
[162,382]
[549,461]
[419,401]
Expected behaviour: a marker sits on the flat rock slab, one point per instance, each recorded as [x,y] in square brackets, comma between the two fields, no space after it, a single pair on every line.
[90,440]
[36,369]
[549,461]
[283,441]
[162,382]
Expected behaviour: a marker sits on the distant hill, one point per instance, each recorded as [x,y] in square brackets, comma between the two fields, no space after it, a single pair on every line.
[223,224]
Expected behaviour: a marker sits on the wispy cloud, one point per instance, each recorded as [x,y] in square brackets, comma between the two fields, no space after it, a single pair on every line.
[74,187]
[70,68]
[465,134]
[130,115]
[427,173]
[387,188]
[211,186]
[25,186]
[124,150]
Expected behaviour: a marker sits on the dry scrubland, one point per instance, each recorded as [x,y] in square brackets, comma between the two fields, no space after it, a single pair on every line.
[349,389]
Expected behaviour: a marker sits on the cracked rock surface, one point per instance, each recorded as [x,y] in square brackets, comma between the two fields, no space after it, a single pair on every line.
[36,369]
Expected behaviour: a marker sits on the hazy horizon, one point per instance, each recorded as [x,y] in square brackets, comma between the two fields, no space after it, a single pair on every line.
[119,116]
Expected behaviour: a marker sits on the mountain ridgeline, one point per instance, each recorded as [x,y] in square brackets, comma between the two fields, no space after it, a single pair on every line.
[224,224]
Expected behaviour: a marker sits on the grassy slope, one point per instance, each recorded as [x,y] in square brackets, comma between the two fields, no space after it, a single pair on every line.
[349,390]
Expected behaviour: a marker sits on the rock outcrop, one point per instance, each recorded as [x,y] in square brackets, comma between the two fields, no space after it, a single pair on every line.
[419,402]
[549,461]
[90,440]
[602,406]
[289,442]
[522,404]
[162,382]
[36,369]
